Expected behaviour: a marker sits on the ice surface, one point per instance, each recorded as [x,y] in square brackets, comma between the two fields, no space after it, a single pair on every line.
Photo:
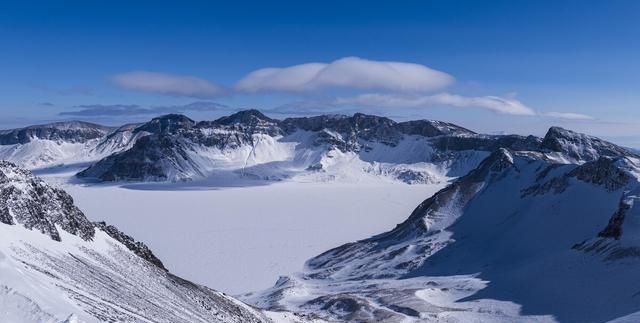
[240,239]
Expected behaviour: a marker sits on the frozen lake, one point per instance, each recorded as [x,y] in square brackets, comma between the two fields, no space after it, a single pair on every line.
[241,239]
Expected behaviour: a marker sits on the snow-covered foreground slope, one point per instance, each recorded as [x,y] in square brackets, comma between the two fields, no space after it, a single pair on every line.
[57,266]
[520,238]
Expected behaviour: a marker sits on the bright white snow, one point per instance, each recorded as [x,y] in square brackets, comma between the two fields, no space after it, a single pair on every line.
[240,239]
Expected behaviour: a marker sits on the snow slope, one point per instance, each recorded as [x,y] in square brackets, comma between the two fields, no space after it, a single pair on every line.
[56,266]
[523,237]
[63,143]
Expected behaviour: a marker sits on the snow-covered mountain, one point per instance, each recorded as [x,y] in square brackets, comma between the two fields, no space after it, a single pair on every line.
[540,233]
[327,147]
[57,266]
[251,145]
[62,143]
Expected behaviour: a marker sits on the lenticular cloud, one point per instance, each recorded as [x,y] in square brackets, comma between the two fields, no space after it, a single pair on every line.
[349,72]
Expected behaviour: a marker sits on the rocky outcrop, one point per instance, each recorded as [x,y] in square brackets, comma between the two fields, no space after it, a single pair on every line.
[139,248]
[579,147]
[151,158]
[28,201]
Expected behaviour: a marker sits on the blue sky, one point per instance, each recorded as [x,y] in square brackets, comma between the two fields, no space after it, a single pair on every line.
[492,66]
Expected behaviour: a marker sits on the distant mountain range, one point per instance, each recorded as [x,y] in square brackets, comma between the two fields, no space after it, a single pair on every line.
[252,145]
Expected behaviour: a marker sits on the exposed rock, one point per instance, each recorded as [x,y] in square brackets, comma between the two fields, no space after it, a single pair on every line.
[614,227]
[603,172]
[139,248]
[579,147]
[29,201]
[167,124]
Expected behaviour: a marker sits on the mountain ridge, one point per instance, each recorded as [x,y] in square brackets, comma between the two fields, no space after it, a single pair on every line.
[248,141]
[471,251]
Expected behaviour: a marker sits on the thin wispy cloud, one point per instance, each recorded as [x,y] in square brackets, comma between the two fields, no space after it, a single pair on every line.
[168,84]
[493,103]
[348,72]
[117,110]
[568,116]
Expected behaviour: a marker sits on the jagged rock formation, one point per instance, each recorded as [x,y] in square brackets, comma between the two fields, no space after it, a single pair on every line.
[139,248]
[29,201]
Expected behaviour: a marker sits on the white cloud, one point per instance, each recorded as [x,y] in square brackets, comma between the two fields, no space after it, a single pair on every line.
[348,72]
[494,103]
[168,84]
[568,116]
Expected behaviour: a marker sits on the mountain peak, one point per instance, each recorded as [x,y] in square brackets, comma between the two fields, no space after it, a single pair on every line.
[579,147]
[251,117]
[168,123]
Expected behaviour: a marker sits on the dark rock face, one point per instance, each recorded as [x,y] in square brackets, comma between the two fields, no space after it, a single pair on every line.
[74,131]
[168,124]
[248,118]
[137,247]
[370,128]
[148,159]
[603,172]
[429,128]
[614,227]
[487,143]
[344,132]
[29,201]
[241,124]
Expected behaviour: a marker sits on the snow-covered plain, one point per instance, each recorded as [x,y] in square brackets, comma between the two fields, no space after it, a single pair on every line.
[242,238]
